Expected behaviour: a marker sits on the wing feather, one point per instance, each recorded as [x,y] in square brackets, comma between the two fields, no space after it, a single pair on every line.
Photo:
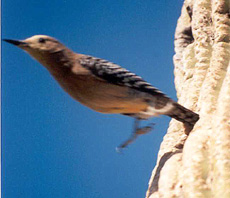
[115,74]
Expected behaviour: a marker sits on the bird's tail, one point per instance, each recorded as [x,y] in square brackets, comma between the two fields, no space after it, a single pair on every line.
[182,114]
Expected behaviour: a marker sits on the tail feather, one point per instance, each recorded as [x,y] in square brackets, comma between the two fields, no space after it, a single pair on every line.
[184,115]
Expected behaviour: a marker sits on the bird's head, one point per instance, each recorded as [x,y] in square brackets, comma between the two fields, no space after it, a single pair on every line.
[41,47]
[37,43]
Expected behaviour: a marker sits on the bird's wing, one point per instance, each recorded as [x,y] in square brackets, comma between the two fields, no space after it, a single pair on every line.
[115,74]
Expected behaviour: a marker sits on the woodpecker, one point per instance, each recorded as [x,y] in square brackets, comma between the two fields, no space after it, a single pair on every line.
[102,85]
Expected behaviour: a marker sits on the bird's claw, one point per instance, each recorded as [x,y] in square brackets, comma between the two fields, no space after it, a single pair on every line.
[144,130]
[136,133]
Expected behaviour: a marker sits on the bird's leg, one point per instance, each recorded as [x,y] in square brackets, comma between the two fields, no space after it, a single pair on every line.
[136,132]
[132,137]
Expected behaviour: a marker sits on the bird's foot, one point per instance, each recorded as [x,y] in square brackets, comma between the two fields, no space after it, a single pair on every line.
[138,131]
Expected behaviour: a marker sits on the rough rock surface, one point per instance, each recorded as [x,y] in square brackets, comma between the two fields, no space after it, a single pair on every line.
[198,165]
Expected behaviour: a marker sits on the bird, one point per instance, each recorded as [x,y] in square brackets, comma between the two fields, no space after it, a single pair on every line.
[104,86]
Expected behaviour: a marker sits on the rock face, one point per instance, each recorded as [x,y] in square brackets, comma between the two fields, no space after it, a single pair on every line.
[198,165]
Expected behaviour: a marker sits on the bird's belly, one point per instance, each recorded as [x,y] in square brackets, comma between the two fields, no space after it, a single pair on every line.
[102,96]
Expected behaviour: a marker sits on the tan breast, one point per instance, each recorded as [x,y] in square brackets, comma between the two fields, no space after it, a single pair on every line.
[100,95]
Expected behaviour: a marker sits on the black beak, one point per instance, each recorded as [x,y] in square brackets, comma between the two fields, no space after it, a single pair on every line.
[15,42]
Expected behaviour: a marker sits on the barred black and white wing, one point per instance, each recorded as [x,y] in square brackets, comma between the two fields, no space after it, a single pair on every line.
[113,73]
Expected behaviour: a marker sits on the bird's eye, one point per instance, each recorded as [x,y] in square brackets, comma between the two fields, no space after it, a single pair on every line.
[41,40]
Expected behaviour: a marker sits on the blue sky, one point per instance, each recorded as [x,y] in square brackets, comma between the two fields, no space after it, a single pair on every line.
[51,145]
